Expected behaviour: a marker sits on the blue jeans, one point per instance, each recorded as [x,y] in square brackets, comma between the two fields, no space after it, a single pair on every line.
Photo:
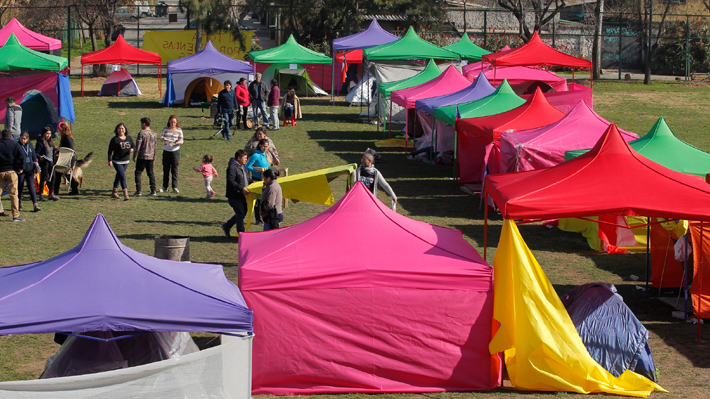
[120,175]
[238,217]
[288,112]
[230,117]
[267,226]
[259,106]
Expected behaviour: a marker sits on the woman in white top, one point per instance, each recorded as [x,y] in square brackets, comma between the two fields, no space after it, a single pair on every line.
[172,138]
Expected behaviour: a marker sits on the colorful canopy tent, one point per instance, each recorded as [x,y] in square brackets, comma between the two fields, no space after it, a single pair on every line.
[120,83]
[536,53]
[612,334]
[388,73]
[289,53]
[514,75]
[38,111]
[409,47]
[478,139]
[661,146]
[30,39]
[27,70]
[102,285]
[501,100]
[385,90]
[205,66]
[334,321]
[543,351]
[565,101]
[120,52]
[467,50]
[545,146]
[443,136]
[581,187]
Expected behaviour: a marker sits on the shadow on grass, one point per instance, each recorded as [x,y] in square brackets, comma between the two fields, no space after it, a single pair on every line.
[135,105]
[218,237]
[176,222]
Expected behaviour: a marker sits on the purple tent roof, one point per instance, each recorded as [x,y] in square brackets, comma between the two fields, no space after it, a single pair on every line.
[478,89]
[209,61]
[103,285]
[374,35]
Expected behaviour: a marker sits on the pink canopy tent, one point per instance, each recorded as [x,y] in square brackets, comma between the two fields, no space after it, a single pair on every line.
[545,146]
[565,101]
[515,75]
[30,39]
[362,299]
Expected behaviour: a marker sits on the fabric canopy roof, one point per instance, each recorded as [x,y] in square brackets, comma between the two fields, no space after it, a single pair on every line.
[535,112]
[209,61]
[409,47]
[430,72]
[448,82]
[374,35]
[349,57]
[16,57]
[478,89]
[661,146]
[28,38]
[120,52]
[589,185]
[545,146]
[289,53]
[535,53]
[102,285]
[467,49]
[503,99]
[514,75]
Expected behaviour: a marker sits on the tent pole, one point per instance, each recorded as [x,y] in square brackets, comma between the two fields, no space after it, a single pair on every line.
[485,227]
[648,252]
[390,126]
[434,129]
[700,276]
[456,155]
[160,80]
[332,79]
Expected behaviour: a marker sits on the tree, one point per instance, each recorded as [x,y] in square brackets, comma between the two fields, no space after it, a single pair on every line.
[597,45]
[213,16]
[543,12]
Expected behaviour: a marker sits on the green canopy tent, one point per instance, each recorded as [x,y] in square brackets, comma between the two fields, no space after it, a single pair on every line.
[15,57]
[467,50]
[409,47]
[430,72]
[662,146]
[296,78]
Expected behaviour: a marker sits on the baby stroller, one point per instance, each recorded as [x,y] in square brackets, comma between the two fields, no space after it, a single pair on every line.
[220,120]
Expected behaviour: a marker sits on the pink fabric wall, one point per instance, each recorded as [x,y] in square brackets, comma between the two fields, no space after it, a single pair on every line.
[16,85]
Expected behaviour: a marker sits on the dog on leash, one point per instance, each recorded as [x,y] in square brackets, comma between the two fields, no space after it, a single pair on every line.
[78,174]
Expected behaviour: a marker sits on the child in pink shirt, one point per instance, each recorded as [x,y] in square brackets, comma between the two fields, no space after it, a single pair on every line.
[208,172]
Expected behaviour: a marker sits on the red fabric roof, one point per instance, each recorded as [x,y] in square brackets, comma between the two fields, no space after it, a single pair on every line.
[592,185]
[535,52]
[121,53]
[351,57]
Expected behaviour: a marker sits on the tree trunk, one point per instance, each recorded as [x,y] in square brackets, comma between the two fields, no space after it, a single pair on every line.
[94,46]
[198,35]
[597,46]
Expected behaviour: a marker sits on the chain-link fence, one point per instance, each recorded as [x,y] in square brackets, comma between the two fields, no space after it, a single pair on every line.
[683,41]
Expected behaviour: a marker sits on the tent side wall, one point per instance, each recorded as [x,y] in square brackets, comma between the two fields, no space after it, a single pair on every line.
[374,340]
[181,81]
[17,84]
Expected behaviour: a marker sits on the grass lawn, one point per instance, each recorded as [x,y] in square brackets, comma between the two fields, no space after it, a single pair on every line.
[330,136]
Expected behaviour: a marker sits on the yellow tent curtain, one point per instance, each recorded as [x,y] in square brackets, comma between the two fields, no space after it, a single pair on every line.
[543,351]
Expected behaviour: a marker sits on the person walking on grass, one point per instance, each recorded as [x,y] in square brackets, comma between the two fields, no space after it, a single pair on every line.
[172,138]
[368,175]
[13,117]
[237,183]
[242,94]
[119,156]
[146,151]
[28,171]
[273,104]
[11,161]
[226,103]
[259,93]
[208,172]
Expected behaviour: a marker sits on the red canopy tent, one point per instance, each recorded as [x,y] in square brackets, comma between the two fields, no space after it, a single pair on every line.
[478,139]
[536,53]
[121,52]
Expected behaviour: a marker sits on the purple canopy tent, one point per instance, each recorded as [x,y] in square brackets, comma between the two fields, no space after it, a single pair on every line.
[425,110]
[374,35]
[102,285]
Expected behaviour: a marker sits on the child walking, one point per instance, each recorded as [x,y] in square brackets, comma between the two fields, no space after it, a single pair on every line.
[208,172]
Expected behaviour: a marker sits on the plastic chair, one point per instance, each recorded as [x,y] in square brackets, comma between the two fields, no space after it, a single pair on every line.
[64,162]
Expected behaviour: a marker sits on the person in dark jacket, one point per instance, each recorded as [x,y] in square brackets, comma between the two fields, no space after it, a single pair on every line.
[45,154]
[11,162]
[273,103]
[65,140]
[226,103]
[237,183]
[259,93]
[28,171]
[119,156]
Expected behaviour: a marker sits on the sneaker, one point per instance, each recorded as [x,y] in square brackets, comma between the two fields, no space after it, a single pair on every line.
[153,194]
[18,219]
[4,214]
[164,190]
[53,197]
[175,191]
[137,194]
[226,230]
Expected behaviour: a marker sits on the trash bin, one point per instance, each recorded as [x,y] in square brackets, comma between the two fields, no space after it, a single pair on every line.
[172,248]
[161,9]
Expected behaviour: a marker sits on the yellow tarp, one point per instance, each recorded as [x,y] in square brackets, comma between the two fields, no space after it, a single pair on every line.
[309,187]
[590,231]
[543,351]
[171,45]
[391,143]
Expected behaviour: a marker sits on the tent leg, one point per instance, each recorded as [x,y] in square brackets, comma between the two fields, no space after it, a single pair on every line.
[82,80]
[390,126]
[332,80]
[485,227]
[434,129]
[700,277]
[456,155]
[685,289]
[648,252]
